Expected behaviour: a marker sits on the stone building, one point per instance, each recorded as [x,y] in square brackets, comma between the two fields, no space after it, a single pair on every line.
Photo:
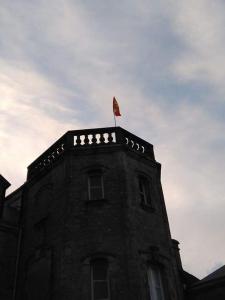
[90,223]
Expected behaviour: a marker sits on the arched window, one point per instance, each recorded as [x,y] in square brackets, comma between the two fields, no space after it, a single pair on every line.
[155,283]
[100,279]
[95,185]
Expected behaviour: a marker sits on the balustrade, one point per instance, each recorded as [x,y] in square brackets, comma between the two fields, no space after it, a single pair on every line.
[79,139]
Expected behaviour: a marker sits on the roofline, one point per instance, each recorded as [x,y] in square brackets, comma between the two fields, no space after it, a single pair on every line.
[205,284]
[14,192]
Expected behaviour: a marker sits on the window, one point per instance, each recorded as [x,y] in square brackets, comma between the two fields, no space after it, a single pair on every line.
[95,185]
[144,191]
[38,277]
[40,231]
[100,279]
[155,283]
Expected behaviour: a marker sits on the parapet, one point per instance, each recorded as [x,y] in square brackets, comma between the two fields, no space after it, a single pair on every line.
[89,138]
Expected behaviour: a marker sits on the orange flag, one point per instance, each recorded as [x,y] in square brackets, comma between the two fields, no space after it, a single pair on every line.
[116,109]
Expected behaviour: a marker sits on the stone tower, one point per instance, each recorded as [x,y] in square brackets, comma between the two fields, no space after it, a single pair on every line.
[94,224]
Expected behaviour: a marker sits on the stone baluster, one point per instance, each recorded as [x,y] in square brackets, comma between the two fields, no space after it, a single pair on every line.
[137,146]
[53,155]
[130,143]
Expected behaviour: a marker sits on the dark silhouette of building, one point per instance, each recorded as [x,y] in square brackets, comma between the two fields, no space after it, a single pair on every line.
[212,287]
[90,223]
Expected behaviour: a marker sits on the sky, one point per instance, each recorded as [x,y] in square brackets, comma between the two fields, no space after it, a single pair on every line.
[61,63]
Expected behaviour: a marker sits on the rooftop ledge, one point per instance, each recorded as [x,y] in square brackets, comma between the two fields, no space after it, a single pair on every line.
[87,138]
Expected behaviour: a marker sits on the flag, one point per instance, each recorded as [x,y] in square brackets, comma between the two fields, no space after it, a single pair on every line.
[116,109]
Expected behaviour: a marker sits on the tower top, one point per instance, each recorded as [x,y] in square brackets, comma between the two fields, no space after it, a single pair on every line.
[89,139]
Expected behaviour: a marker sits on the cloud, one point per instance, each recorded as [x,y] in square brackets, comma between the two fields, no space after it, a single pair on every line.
[199,24]
[31,113]
[193,186]
[63,61]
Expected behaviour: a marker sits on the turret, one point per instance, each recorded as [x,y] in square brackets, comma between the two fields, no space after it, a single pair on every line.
[94,221]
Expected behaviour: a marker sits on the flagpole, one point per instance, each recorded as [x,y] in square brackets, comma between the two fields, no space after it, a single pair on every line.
[114,119]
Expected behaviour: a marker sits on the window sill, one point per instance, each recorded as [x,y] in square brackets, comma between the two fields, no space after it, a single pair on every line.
[96,202]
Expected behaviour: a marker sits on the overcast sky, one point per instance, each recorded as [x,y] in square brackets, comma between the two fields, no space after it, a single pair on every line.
[62,61]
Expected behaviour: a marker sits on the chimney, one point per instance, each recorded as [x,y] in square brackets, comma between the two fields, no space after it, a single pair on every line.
[4,184]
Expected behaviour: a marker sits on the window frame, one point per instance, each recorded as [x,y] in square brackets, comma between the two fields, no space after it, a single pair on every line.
[92,173]
[145,196]
[40,231]
[106,280]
